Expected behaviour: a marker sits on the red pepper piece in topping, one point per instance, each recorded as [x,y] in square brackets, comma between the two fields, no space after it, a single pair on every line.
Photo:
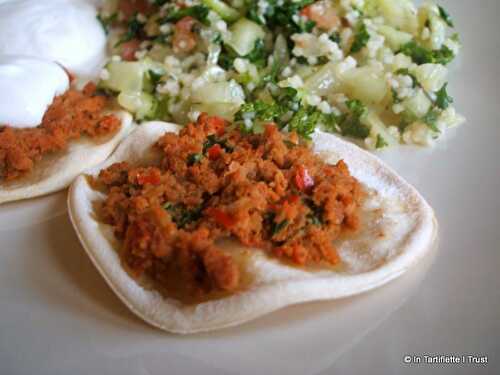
[221,217]
[151,177]
[303,180]
[214,152]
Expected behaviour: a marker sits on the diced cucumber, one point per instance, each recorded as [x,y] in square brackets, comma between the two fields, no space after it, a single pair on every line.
[224,110]
[322,81]
[431,76]
[124,76]
[400,14]
[378,128]
[219,92]
[418,105]
[131,75]
[366,84]
[222,9]
[244,34]
[394,38]
[140,103]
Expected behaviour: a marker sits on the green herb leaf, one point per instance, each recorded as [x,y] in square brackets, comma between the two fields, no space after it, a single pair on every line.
[194,158]
[361,39]
[181,215]
[107,21]
[351,125]
[200,12]
[134,27]
[445,16]
[278,227]
[421,55]
[258,55]
[381,142]
[430,119]
[443,100]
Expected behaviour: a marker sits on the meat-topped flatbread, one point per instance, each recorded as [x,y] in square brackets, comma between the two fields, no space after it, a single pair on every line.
[210,227]
[77,132]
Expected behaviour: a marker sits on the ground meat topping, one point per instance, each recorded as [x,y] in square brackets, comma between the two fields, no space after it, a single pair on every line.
[266,191]
[71,115]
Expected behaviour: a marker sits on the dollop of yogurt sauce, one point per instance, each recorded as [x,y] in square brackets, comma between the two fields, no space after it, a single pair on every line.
[64,31]
[37,40]
[28,86]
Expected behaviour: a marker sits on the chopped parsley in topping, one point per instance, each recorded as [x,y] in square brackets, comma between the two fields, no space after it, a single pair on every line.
[181,215]
[212,140]
[421,55]
[134,28]
[381,142]
[278,227]
[445,16]
[194,158]
[200,12]
[361,39]
[430,119]
[443,100]
[315,217]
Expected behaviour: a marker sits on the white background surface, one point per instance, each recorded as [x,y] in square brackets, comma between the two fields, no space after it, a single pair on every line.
[57,316]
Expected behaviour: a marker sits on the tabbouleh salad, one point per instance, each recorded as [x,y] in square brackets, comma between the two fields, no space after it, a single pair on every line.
[372,70]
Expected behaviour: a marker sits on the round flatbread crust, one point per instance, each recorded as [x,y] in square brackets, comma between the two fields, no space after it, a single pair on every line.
[399,229]
[56,172]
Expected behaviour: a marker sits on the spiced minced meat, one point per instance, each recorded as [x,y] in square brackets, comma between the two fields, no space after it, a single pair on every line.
[267,191]
[72,115]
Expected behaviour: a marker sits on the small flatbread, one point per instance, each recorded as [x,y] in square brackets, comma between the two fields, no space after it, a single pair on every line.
[398,229]
[57,171]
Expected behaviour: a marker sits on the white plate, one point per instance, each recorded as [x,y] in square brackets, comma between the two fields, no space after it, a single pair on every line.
[57,315]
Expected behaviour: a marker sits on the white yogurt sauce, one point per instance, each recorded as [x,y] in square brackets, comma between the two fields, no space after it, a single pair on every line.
[65,31]
[27,87]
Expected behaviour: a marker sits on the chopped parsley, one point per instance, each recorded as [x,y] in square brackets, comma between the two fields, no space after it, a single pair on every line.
[258,55]
[350,124]
[443,100]
[381,142]
[430,119]
[181,215]
[281,14]
[107,21]
[194,158]
[200,12]
[361,39]
[278,227]
[445,16]
[134,28]
[421,55]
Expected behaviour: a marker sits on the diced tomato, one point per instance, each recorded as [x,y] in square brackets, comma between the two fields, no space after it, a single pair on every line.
[184,39]
[214,152]
[185,24]
[130,7]
[129,49]
[149,177]
[221,217]
[218,123]
[303,180]
[323,14]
